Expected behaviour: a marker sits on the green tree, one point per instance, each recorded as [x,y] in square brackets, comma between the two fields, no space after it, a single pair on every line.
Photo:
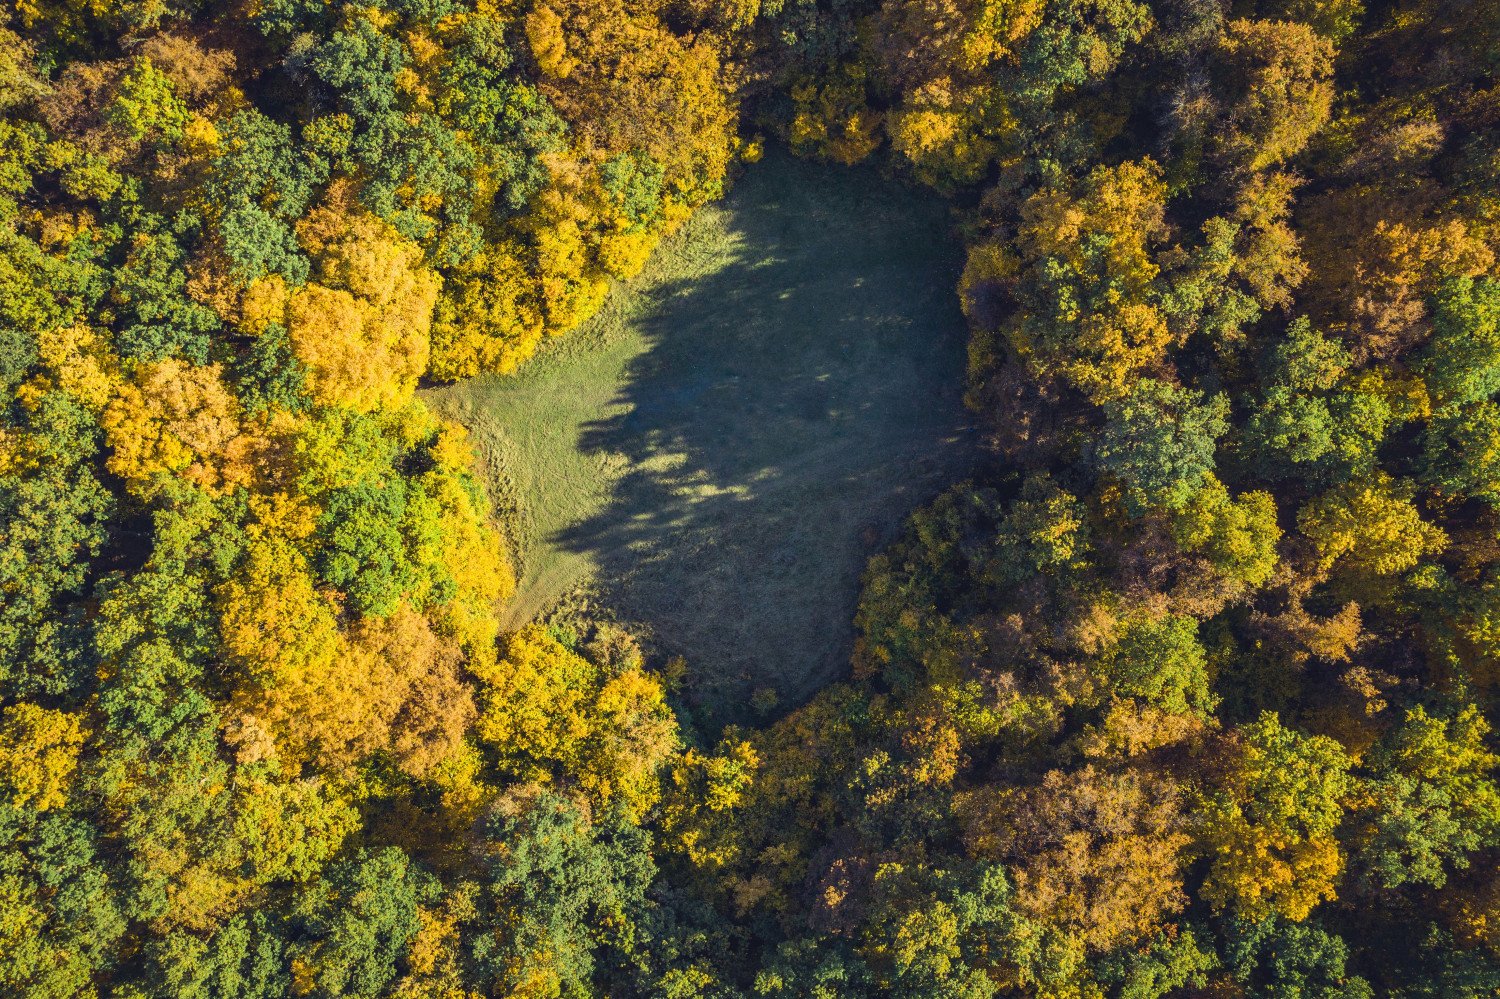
[358,922]
[243,959]
[54,513]
[257,186]
[1462,360]
[1435,799]
[1159,441]
[60,919]
[157,317]
[1173,958]
[1270,824]
[1237,535]
[1161,662]
[1275,959]
[559,887]
[1461,451]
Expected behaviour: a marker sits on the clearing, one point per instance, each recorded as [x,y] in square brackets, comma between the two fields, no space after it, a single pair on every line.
[717,453]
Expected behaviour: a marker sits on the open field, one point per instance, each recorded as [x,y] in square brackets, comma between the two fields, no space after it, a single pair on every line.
[717,453]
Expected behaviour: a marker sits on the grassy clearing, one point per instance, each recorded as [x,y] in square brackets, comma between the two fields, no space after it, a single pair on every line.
[717,453]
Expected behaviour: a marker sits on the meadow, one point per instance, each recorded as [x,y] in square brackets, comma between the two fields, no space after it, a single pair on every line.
[716,454]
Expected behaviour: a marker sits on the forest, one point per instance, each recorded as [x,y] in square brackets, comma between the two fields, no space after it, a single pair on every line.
[1187,691]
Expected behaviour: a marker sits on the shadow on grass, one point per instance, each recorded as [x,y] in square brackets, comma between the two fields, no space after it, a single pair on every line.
[790,408]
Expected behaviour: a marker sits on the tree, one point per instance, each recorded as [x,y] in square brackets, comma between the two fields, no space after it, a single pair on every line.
[1281,960]
[158,319]
[362,326]
[1435,799]
[244,959]
[60,917]
[54,515]
[558,887]
[1159,441]
[1044,532]
[1094,853]
[390,683]
[39,751]
[1175,957]
[1237,535]
[1091,301]
[357,923]
[176,421]
[1461,362]
[1161,662]
[549,715]
[511,123]
[256,187]
[1277,91]
[1461,451]
[1270,823]
[1371,525]
[146,104]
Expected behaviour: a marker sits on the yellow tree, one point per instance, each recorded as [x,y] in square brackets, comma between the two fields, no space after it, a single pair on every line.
[550,716]
[1371,525]
[1279,81]
[39,751]
[362,326]
[1096,853]
[177,419]
[1269,825]
[1090,300]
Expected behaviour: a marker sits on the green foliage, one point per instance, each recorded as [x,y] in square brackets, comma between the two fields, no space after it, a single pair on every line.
[1279,960]
[270,375]
[147,105]
[1159,442]
[1309,361]
[557,887]
[1162,663]
[1045,532]
[359,921]
[59,916]
[1172,959]
[1311,422]
[157,318]
[411,161]
[1236,535]
[1461,451]
[1436,800]
[53,521]
[243,959]
[634,182]
[257,186]
[817,968]
[510,122]
[1462,360]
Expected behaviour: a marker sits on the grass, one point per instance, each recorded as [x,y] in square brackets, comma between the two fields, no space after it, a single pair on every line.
[718,452]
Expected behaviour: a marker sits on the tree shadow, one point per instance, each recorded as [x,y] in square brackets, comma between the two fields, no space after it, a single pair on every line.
[794,403]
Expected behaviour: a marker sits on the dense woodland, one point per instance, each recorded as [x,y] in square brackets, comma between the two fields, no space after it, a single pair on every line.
[1187,693]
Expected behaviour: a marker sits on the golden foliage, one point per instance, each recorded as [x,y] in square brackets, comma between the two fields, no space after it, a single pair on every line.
[391,684]
[362,326]
[1371,525]
[1097,853]
[39,751]
[548,712]
[175,419]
